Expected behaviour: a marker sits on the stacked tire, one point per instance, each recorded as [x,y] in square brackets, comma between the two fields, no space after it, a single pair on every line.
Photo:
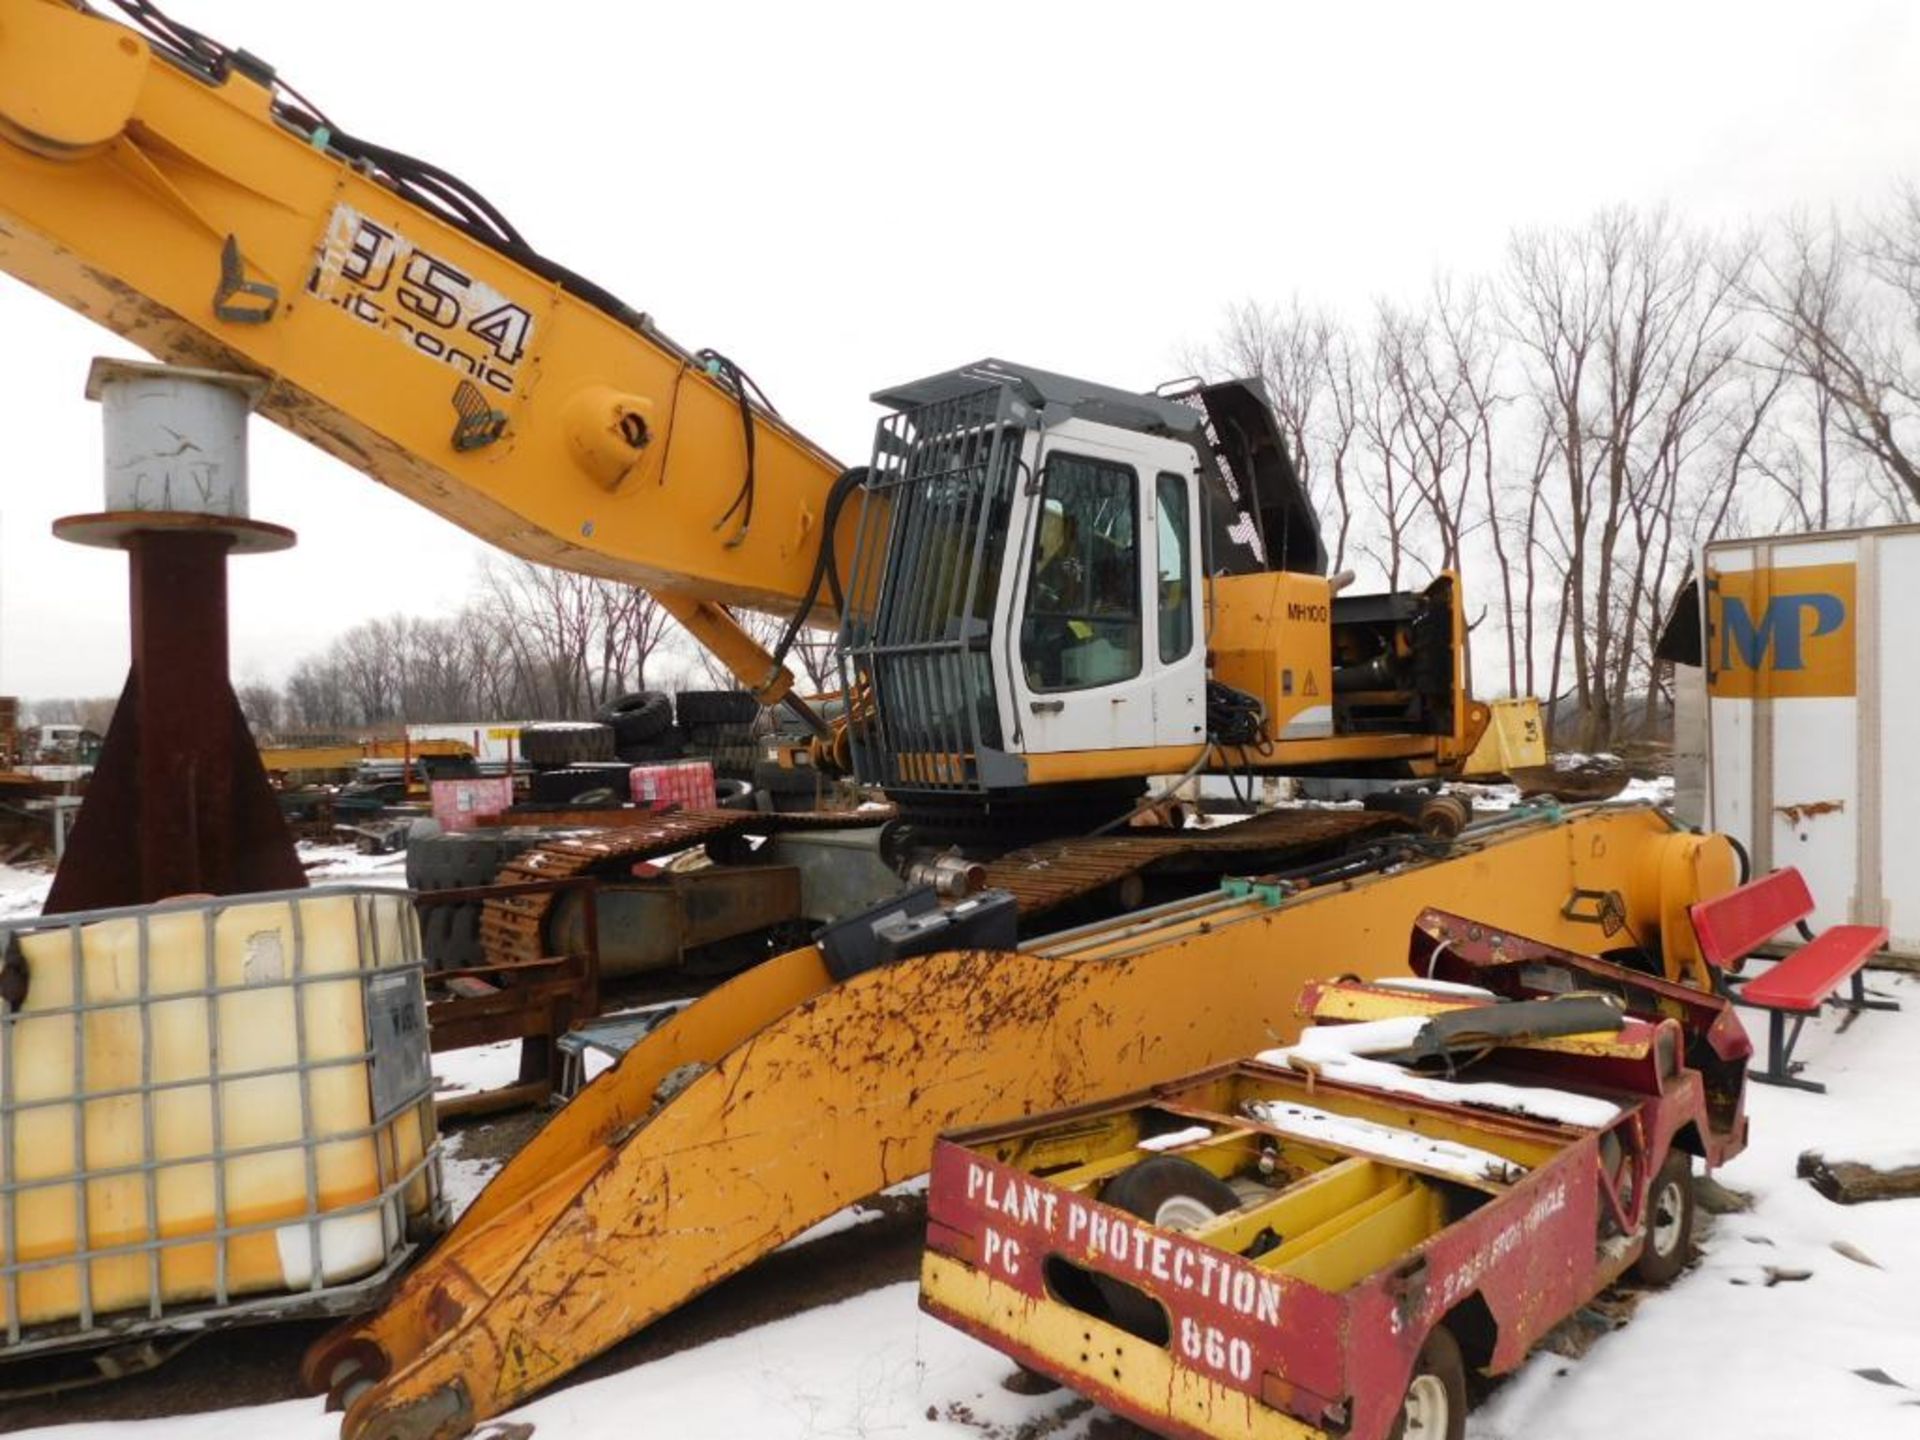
[572,761]
[718,727]
[450,934]
[551,746]
[787,787]
[583,785]
[642,726]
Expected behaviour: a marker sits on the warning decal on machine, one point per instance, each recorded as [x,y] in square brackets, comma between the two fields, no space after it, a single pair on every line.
[371,271]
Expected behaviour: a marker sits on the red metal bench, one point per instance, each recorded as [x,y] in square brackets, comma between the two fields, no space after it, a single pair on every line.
[1733,926]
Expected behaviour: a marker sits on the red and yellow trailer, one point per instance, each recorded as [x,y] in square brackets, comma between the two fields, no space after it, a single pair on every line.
[1324,1239]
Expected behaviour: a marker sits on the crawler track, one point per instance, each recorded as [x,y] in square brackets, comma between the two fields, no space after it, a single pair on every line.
[1041,877]
[513,927]
[1046,876]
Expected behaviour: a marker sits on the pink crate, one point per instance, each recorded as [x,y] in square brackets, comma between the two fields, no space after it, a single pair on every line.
[457,804]
[686,783]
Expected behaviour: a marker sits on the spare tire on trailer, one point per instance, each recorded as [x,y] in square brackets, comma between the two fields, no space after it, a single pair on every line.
[546,746]
[450,934]
[716,707]
[637,718]
[1173,1193]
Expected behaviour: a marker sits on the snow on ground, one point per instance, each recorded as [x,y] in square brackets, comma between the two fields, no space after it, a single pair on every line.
[1495,799]
[23,890]
[1722,1353]
[872,1366]
[476,1068]
[858,1213]
[1657,791]
[464,1177]
[345,865]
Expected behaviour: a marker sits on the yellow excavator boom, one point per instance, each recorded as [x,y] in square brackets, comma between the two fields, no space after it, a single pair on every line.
[198,214]
[783,1097]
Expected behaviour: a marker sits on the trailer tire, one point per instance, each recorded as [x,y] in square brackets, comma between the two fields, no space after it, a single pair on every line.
[1173,1193]
[546,747]
[1435,1405]
[1667,1231]
[637,718]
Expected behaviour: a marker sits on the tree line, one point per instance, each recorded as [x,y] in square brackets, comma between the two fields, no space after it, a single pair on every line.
[1568,430]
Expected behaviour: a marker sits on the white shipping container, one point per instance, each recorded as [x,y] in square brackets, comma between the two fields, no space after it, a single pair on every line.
[1812,670]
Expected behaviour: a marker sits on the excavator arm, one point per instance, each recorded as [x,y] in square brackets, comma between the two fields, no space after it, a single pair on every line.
[174,192]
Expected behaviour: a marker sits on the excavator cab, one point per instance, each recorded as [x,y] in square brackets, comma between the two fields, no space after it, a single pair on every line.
[1047,574]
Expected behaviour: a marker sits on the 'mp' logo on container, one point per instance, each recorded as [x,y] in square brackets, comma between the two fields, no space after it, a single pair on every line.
[1783,633]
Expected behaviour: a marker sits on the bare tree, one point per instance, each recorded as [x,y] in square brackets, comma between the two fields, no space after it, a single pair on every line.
[1437,365]
[260,704]
[1304,361]
[1629,327]
[1845,304]
[1381,420]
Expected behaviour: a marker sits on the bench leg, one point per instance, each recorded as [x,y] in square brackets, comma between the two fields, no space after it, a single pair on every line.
[1782,1068]
[1860,1000]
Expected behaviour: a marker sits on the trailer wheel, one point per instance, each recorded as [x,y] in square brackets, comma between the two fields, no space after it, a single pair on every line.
[1175,1194]
[1435,1405]
[1667,1231]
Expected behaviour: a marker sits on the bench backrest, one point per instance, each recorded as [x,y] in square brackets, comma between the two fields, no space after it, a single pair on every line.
[1730,927]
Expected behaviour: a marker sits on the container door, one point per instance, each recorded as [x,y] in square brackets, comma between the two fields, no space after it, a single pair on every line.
[1783,694]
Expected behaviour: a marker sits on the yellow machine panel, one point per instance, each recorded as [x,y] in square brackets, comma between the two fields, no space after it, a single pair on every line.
[1271,637]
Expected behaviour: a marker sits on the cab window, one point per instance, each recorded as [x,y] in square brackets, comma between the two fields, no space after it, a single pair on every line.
[1082,626]
[1175,589]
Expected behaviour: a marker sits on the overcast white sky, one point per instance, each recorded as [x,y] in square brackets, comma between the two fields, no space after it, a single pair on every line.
[842,197]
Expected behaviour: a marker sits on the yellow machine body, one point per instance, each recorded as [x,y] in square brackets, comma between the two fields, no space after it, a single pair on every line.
[1272,638]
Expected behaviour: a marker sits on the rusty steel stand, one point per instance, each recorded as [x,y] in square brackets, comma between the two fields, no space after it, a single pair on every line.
[179,802]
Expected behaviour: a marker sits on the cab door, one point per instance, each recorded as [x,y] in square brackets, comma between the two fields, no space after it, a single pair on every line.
[1086,629]
[1180,690]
